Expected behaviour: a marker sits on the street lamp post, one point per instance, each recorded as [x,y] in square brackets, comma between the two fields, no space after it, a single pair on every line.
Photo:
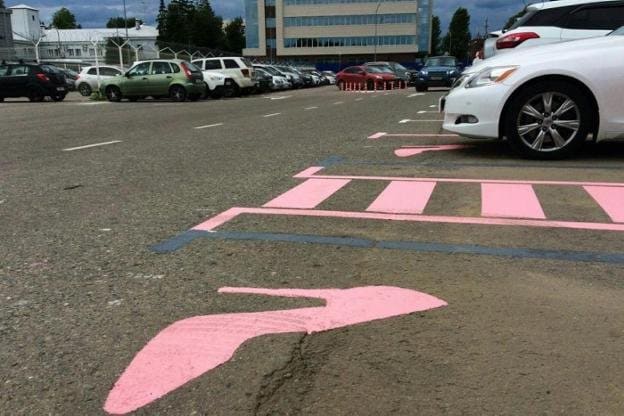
[376,24]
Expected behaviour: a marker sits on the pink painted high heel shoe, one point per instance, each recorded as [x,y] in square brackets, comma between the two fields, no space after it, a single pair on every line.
[191,347]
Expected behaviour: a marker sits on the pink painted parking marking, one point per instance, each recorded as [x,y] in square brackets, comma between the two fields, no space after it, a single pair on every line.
[408,151]
[191,347]
[510,201]
[610,199]
[377,135]
[390,135]
[403,198]
[309,194]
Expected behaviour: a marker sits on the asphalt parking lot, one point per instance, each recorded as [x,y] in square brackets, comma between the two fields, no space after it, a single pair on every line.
[118,220]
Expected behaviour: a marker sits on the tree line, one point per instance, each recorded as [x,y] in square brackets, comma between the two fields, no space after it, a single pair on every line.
[456,42]
[191,23]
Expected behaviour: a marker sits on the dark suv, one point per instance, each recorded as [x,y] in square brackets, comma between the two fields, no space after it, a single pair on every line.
[439,71]
[32,81]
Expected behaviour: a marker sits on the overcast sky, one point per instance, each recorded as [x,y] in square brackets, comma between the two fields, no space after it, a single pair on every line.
[95,13]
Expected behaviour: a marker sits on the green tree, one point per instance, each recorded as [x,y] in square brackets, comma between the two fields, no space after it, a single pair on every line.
[64,19]
[457,40]
[190,23]
[436,36]
[207,27]
[235,36]
[118,22]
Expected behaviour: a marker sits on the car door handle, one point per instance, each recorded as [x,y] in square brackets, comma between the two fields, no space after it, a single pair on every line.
[169,76]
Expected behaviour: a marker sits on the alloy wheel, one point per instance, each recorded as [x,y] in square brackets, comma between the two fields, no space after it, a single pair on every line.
[548,122]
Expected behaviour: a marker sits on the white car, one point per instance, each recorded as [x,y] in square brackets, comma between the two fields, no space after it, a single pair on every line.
[87,80]
[544,100]
[218,84]
[280,82]
[557,21]
[237,68]
[331,77]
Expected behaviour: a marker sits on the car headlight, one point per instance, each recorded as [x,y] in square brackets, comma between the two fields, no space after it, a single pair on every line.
[491,76]
[424,72]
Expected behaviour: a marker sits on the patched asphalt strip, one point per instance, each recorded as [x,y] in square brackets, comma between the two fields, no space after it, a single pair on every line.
[183,239]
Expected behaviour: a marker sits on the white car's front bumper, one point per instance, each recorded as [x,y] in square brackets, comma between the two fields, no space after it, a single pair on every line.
[484,103]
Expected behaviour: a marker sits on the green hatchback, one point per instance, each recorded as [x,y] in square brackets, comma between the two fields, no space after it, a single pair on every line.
[171,78]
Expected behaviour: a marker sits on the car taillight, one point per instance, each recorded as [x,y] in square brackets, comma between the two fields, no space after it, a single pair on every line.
[187,71]
[245,73]
[77,77]
[43,77]
[514,39]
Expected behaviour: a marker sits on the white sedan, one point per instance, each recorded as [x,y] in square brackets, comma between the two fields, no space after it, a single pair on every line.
[546,100]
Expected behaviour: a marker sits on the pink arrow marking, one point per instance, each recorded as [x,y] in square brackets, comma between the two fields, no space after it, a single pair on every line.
[191,347]
[408,151]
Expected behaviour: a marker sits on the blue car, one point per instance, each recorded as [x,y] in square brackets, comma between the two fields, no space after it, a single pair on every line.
[439,71]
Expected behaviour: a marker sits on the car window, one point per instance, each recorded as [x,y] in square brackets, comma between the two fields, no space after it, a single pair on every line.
[377,70]
[193,67]
[93,71]
[160,68]
[246,62]
[548,17]
[140,69]
[618,32]
[230,64]
[20,70]
[212,64]
[3,70]
[109,72]
[596,18]
[50,69]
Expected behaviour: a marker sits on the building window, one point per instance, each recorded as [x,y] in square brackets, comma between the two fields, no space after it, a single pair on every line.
[350,41]
[78,52]
[365,19]
[251,24]
[315,2]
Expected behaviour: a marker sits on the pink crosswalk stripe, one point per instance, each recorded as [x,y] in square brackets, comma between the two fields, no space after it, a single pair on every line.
[403,198]
[610,199]
[510,201]
[309,194]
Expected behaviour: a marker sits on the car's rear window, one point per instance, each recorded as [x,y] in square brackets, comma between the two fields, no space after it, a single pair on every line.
[247,63]
[193,67]
[230,64]
[547,17]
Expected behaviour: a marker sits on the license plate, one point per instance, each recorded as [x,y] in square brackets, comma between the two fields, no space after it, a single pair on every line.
[436,78]
[60,88]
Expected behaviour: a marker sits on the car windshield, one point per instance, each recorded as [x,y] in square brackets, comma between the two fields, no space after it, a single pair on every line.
[617,32]
[380,68]
[399,67]
[444,61]
[272,71]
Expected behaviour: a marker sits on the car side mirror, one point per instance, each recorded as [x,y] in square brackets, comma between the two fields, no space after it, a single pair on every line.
[127,75]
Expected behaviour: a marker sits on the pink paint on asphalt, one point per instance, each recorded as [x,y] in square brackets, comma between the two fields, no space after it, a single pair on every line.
[408,151]
[191,347]
[315,213]
[377,136]
[611,200]
[309,172]
[403,198]
[389,135]
[309,194]
[510,201]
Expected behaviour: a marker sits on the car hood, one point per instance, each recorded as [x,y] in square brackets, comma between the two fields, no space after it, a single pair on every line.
[551,52]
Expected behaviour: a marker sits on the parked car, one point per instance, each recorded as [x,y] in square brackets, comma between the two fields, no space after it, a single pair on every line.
[32,81]
[174,78]
[87,80]
[544,100]
[238,69]
[557,21]
[364,77]
[439,71]
[263,80]
[402,73]
[292,76]
[331,77]
[70,76]
[280,82]
[219,85]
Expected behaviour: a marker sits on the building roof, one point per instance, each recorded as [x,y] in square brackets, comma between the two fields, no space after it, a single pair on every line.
[100,35]
[23,6]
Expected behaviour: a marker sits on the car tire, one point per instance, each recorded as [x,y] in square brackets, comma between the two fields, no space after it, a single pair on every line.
[59,97]
[232,91]
[340,84]
[177,93]
[194,97]
[36,95]
[113,94]
[1,99]
[370,85]
[85,89]
[548,120]
[422,88]
[133,99]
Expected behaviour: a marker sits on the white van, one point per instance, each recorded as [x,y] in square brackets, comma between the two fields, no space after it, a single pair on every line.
[237,68]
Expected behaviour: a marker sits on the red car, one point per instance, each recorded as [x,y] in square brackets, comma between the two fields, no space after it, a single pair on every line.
[364,77]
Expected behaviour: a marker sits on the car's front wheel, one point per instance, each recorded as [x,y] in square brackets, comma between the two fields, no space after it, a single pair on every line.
[58,97]
[113,94]
[36,95]
[549,120]
[84,89]
[177,93]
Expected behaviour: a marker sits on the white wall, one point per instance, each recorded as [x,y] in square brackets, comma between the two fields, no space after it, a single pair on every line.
[26,22]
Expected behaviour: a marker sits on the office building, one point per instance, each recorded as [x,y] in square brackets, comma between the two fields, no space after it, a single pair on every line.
[337,30]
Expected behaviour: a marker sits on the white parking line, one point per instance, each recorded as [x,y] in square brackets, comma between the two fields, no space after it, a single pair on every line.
[425,112]
[208,126]
[433,106]
[281,98]
[310,108]
[271,115]
[94,103]
[407,120]
[359,99]
[71,149]
[418,94]
[339,102]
